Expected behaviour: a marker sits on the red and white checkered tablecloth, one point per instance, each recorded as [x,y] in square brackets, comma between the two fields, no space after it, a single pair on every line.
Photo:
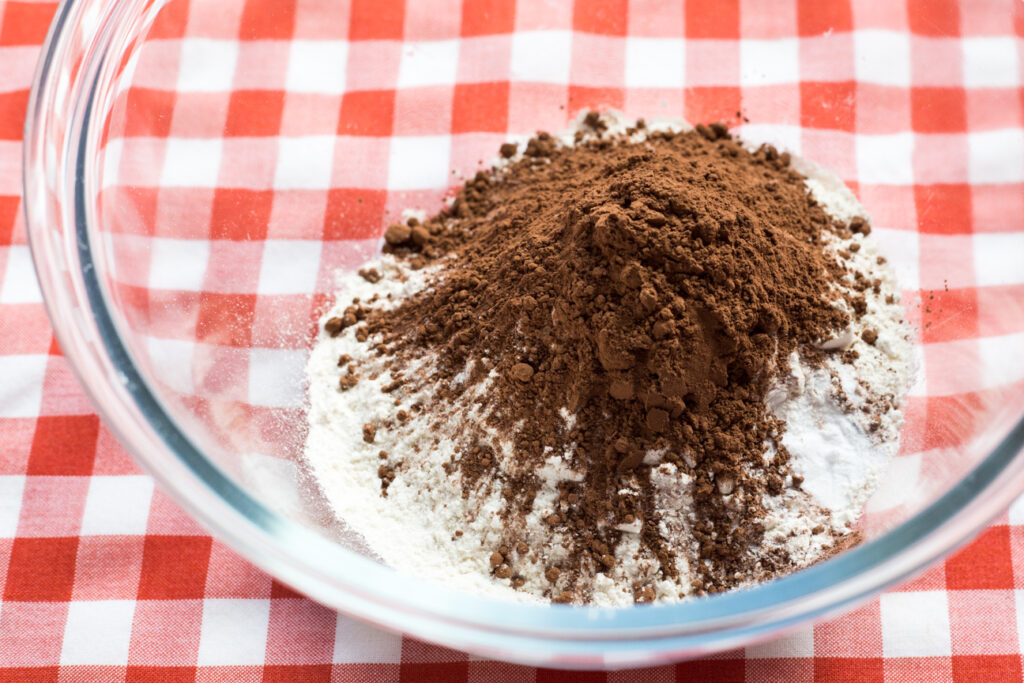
[104,578]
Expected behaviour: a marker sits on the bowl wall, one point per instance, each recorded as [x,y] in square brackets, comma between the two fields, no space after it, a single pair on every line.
[210,166]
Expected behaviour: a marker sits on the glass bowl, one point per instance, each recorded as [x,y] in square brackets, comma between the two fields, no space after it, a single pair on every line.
[195,173]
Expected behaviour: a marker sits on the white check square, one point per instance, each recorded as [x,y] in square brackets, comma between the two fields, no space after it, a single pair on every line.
[234,632]
[317,66]
[304,163]
[798,644]
[915,624]
[117,505]
[207,65]
[769,62]
[996,156]
[171,361]
[991,62]
[276,378]
[21,391]
[541,56]
[191,162]
[999,258]
[20,285]
[178,264]
[356,642]
[418,163]
[1002,363]
[97,633]
[428,63]
[655,62]
[885,159]
[289,266]
[11,489]
[882,57]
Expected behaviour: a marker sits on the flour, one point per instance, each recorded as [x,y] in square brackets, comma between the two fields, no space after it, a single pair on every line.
[842,426]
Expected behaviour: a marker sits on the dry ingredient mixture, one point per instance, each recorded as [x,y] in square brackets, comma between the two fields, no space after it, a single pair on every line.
[627,364]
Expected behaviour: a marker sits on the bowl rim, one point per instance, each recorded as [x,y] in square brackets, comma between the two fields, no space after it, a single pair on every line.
[534,634]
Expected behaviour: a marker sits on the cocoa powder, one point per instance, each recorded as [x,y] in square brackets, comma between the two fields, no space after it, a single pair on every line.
[649,290]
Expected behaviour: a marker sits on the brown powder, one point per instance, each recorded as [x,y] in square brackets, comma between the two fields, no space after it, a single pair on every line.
[650,290]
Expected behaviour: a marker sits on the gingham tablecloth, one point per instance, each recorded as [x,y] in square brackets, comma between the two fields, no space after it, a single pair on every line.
[104,578]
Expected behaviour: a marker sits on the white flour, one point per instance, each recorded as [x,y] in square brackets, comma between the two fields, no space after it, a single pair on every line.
[426,528]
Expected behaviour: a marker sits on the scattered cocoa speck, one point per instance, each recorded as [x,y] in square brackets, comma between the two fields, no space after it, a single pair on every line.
[621,389]
[522,372]
[397,234]
[861,225]
[593,121]
[503,572]
[369,432]
[333,326]
[870,336]
[370,275]
[645,595]
[420,236]
[343,359]
[565,598]
[347,382]
[496,559]
[552,574]
[657,420]
[508,150]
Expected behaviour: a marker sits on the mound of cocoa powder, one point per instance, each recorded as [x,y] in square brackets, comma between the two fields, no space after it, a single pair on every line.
[651,290]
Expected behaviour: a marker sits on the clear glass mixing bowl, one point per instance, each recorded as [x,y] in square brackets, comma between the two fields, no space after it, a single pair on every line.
[194,173]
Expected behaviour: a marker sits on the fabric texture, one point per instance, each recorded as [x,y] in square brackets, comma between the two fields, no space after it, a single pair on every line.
[104,578]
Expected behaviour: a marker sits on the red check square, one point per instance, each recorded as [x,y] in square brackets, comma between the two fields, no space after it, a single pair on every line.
[377,20]
[984,564]
[354,214]
[174,567]
[480,107]
[608,17]
[64,445]
[370,112]
[8,214]
[484,17]
[12,114]
[225,319]
[267,20]
[938,110]
[849,670]
[26,23]
[254,113]
[828,105]
[934,17]
[719,670]
[160,674]
[41,570]
[310,673]
[713,19]
[988,668]
[708,104]
[815,17]
[240,215]
[943,209]
[148,113]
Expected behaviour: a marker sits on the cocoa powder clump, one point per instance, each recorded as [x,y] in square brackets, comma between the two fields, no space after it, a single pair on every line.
[651,291]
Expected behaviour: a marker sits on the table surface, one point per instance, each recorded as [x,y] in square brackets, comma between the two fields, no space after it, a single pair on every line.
[104,578]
